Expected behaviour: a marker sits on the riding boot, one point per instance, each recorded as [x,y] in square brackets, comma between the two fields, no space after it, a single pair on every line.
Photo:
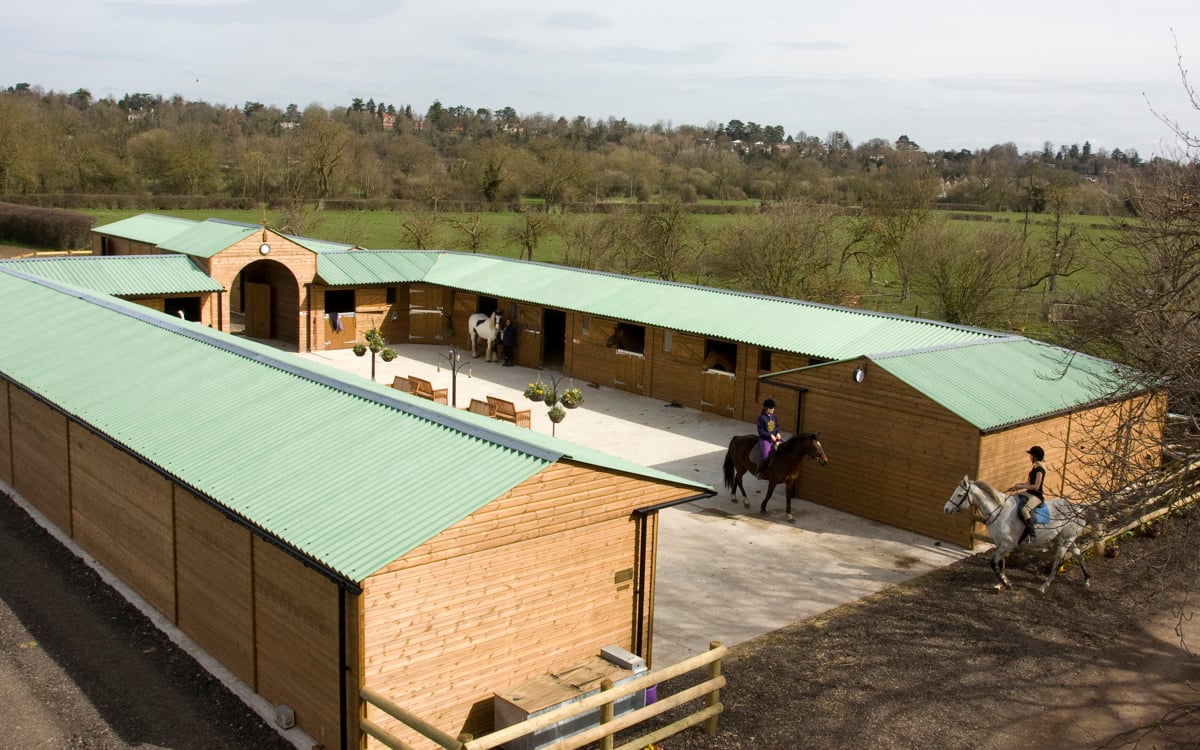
[1030,529]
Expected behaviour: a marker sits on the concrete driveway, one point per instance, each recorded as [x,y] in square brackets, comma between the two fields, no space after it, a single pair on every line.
[724,573]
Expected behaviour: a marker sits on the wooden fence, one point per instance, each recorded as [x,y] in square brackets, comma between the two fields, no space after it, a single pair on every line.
[602,732]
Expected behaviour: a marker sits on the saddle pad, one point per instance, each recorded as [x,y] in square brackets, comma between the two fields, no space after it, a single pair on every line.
[1041,514]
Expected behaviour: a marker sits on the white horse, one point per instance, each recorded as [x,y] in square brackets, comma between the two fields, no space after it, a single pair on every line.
[486,327]
[1005,527]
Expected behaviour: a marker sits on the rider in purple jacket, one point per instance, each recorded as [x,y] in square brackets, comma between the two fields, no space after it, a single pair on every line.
[769,436]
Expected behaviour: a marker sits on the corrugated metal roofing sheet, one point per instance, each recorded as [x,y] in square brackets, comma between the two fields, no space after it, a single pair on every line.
[209,237]
[320,246]
[774,323]
[122,275]
[149,228]
[350,474]
[374,267]
[1006,382]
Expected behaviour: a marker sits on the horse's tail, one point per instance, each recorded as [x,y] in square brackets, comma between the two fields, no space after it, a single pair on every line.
[729,469]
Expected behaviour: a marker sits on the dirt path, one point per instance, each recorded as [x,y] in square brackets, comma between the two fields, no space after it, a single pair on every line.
[944,661]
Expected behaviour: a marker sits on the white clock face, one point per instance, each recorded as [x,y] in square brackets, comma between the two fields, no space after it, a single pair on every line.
[264,248]
[859,375]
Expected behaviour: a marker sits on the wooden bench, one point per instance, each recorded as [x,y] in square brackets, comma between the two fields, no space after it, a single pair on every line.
[482,407]
[425,389]
[504,410]
[402,383]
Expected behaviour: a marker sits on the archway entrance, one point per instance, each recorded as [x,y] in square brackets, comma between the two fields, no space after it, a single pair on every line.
[267,297]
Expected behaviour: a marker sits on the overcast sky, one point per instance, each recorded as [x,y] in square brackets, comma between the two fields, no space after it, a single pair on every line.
[947,75]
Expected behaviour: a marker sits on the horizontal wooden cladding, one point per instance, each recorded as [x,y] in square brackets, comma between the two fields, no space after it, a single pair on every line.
[296,640]
[561,498]
[894,456]
[39,456]
[532,583]
[123,514]
[213,573]
[6,446]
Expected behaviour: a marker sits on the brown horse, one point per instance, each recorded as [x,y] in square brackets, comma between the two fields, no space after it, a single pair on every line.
[784,467]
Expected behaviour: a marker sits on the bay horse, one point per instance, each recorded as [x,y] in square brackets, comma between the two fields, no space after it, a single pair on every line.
[627,338]
[784,467]
[486,327]
[1066,523]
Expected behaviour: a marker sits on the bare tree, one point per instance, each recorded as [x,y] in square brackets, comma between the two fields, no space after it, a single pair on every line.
[662,242]
[593,241]
[792,251]
[422,229]
[1146,316]
[901,204]
[526,232]
[476,232]
[970,277]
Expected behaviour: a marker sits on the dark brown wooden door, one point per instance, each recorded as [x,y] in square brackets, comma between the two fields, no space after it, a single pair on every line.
[258,310]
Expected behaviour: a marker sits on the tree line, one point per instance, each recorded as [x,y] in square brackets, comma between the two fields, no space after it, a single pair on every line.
[54,143]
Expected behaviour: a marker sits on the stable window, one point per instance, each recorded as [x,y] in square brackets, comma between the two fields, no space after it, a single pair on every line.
[764,360]
[339,300]
[720,355]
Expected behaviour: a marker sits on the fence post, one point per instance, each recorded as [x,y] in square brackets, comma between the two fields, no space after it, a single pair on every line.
[606,715]
[714,671]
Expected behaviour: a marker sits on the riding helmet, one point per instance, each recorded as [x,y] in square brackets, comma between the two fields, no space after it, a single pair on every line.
[769,403]
[1037,452]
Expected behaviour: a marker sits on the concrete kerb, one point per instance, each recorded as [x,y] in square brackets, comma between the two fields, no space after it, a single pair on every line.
[725,573]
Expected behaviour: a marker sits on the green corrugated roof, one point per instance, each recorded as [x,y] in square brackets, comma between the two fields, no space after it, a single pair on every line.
[320,246]
[148,228]
[374,267]
[774,323]
[122,275]
[209,237]
[1001,383]
[350,474]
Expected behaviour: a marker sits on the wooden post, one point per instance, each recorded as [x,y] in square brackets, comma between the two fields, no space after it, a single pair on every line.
[606,714]
[714,698]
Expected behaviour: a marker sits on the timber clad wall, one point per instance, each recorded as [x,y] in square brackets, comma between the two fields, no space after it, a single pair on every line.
[296,640]
[214,578]
[535,582]
[894,456]
[122,514]
[6,446]
[39,451]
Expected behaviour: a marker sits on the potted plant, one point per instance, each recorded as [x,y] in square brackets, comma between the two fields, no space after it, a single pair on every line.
[571,398]
[388,354]
[359,348]
[556,414]
[536,391]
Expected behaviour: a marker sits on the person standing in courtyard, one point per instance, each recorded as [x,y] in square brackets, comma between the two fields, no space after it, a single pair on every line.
[508,341]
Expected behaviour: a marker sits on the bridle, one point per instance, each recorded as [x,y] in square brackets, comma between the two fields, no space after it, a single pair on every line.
[965,486]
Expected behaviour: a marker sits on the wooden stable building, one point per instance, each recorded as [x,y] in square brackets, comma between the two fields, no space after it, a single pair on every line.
[709,349]
[318,534]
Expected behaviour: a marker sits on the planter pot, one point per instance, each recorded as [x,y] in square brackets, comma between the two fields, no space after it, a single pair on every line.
[535,396]
[359,352]
[556,416]
[571,404]
[550,399]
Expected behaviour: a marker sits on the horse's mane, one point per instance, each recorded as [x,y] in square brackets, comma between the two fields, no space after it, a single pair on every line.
[988,488]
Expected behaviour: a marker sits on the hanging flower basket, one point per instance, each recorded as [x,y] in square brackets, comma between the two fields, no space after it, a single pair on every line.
[572,398]
[388,354]
[535,392]
[556,414]
[550,398]
[360,349]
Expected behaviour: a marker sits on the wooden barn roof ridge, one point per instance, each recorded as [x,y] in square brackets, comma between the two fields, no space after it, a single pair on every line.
[173,393]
